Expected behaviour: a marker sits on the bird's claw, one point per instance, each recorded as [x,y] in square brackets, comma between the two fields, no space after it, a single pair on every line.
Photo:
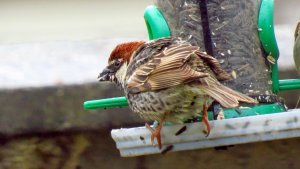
[155,133]
[205,118]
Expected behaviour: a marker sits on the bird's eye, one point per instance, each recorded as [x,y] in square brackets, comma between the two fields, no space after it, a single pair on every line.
[117,63]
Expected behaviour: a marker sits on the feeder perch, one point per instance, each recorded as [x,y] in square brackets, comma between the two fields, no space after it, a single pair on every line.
[136,141]
[269,120]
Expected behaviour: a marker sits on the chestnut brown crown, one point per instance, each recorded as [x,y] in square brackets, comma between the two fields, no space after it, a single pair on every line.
[120,55]
[124,51]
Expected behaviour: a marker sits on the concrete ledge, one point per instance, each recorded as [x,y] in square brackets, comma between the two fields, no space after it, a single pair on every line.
[52,109]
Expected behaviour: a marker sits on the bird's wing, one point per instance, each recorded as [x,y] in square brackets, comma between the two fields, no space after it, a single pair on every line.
[147,52]
[172,66]
[180,63]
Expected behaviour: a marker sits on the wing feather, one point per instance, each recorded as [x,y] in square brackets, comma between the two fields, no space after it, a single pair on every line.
[214,65]
[165,69]
[178,63]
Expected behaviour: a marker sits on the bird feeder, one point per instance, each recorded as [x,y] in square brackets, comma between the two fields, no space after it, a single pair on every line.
[240,34]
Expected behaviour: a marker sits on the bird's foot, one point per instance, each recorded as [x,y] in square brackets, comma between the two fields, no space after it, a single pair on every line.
[205,119]
[155,133]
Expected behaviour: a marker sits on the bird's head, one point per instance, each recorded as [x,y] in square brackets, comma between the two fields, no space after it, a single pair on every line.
[118,62]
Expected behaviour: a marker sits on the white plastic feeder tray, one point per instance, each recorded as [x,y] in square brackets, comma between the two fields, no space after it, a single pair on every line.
[136,141]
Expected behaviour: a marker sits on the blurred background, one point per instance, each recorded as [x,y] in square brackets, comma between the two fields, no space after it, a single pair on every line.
[50,55]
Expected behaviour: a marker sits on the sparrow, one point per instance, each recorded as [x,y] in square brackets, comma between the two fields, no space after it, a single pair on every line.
[169,80]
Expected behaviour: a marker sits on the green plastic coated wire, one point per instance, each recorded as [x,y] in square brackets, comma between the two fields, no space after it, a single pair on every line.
[268,40]
[156,24]
[253,111]
[289,84]
[106,103]
[267,37]
[266,28]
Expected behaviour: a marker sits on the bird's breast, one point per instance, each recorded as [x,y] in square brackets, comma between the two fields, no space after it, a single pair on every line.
[180,102]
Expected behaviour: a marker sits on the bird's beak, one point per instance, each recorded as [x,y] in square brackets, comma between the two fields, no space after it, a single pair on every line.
[105,75]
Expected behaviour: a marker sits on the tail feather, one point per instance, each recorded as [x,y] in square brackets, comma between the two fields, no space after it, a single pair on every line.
[227,97]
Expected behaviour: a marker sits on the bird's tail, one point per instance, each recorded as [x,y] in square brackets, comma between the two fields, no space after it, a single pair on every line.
[227,97]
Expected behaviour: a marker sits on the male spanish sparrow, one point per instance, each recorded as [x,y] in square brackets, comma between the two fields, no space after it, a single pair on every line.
[168,79]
